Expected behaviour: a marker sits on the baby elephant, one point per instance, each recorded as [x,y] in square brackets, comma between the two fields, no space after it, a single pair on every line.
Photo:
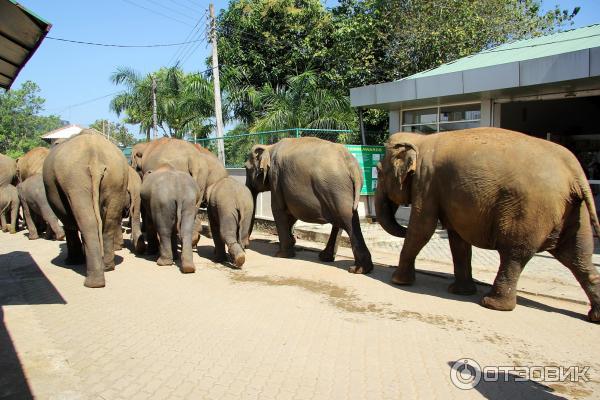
[36,209]
[9,208]
[230,210]
[171,200]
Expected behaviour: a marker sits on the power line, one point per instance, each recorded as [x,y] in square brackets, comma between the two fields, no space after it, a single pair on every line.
[177,55]
[156,12]
[123,45]
[183,5]
[191,49]
[87,101]
[171,9]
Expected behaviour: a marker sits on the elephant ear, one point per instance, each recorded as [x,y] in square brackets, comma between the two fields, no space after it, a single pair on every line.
[404,160]
[263,159]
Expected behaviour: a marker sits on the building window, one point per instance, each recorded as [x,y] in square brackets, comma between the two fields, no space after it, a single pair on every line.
[443,118]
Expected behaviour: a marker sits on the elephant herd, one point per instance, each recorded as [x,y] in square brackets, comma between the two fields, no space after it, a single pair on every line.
[490,188]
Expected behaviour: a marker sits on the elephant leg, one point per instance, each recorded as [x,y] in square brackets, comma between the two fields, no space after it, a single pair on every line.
[197,229]
[137,238]
[31,227]
[328,254]
[151,234]
[14,211]
[228,232]
[187,232]
[421,227]
[503,295]
[174,244]
[576,254]
[81,205]
[3,223]
[362,256]
[52,221]
[285,224]
[166,252]
[74,247]
[213,221]
[245,227]
[112,233]
[461,256]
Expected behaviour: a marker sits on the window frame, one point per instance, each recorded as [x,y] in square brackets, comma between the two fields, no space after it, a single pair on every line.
[438,107]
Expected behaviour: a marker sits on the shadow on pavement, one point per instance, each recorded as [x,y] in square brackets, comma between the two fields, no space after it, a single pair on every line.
[509,386]
[431,284]
[21,283]
[60,261]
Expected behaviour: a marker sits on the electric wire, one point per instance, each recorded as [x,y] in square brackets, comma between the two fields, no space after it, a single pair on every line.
[122,45]
[157,12]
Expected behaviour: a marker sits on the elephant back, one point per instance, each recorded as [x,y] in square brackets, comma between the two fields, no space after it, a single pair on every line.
[8,170]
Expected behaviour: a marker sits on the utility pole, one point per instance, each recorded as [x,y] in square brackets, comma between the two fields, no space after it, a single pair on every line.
[217,86]
[154,118]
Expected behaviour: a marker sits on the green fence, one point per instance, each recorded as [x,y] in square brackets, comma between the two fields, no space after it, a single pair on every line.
[238,146]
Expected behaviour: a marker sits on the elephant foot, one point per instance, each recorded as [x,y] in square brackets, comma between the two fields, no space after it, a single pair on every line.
[94,281]
[462,288]
[109,267]
[118,246]
[495,302]
[195,239]
[289,253]
[237,255]
[245,243]
[59,236]
[140,247]
[360,269]
[188,268]
[162,261]
[33,237]
[403,276]
[594,314]
[326,256]
[12,231]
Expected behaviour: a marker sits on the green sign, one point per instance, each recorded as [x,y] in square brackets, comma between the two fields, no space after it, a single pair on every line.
[367,157]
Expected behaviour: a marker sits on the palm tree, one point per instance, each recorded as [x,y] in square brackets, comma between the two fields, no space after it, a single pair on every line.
[184,101]
[301,102]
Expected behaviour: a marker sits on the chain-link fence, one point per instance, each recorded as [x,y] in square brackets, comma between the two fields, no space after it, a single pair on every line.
[238,146]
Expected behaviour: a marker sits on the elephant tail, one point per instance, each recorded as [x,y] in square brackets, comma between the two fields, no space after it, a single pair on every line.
[588,198]
[179,207]
[356,177]
[97,173]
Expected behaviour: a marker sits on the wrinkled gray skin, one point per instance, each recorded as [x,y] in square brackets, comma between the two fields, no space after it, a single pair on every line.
[202,165]
[31,163]
[39,217]
[133,210]
[86,184]
[171,200]
[315,181]
[9,208]
[230,211]
[494,189]
[8,171]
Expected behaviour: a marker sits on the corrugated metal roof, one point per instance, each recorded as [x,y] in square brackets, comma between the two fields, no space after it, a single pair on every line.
[21,33]
[64,132]
[521,50]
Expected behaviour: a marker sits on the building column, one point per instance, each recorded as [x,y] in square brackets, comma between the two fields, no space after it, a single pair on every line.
[395,123]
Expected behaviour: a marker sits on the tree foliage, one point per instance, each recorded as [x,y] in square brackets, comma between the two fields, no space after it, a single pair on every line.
[21,124]
[184,101]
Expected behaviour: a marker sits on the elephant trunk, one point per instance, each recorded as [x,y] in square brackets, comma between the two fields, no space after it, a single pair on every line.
[254,196]
[385,211]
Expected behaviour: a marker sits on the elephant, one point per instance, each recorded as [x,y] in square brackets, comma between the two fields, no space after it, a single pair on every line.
[86,184]
[494,189]
[133,211]
[315,181]
[31,163]
[36,209]
[171,199]
[137,152]
[9,208]
[230,209]
[203,166]
[8,170]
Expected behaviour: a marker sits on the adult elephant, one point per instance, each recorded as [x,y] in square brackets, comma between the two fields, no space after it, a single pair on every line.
[315,181]
[86,184]
[494,189]
[31,163]
[203,166]
[8,170]
[137,152]
[132,211]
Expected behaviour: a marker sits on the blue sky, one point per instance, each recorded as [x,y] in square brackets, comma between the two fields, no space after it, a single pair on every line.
[71,74]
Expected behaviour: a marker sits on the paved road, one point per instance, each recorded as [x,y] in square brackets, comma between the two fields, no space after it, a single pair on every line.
[278,329]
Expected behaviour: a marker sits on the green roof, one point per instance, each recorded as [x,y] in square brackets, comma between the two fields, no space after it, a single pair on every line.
[521,50]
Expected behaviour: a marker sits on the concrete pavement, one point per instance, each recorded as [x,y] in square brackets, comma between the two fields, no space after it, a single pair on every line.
[278,329]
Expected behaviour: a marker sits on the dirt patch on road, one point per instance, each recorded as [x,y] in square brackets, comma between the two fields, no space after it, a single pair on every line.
[346,300]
